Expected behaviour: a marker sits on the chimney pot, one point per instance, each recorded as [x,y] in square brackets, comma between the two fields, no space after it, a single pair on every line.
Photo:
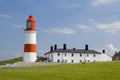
[55,47]
[86,47]
[103,51]
[73,48]
[64,46]
[51,48]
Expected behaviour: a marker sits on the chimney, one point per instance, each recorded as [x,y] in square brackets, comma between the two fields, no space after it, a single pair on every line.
[103,51]
[55,47]
[73,48]
[86,47]
[64,46]
[51,48]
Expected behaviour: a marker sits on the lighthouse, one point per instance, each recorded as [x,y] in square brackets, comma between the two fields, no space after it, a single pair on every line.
[30,54]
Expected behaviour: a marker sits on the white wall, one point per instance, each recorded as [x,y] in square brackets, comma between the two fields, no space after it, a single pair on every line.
[105,57]
[77,58]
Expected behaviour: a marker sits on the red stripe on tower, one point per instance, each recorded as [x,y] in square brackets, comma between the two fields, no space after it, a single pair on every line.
[30,48]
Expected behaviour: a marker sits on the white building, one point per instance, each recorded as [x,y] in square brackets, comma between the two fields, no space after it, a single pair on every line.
[76,55]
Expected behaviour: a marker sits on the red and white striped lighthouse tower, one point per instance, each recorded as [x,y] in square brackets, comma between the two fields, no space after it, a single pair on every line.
[30,40]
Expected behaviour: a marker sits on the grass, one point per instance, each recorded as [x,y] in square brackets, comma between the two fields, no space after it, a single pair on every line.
[11,60]
[89,71]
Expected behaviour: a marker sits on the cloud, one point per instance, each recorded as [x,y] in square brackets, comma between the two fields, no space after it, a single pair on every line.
[101,2]
[113,27]
[61,30]
[83,27]
[16,25]
[87,28]
[13,25]
[5,16]
[110,49]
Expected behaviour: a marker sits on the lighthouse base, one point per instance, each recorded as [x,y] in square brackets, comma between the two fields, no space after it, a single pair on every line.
[29,57]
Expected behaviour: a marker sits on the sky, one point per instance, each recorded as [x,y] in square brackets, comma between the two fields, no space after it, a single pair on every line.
[74,22]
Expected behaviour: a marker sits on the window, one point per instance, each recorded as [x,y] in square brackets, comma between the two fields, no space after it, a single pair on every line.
[80,55]
[65,54]
[58,60]
[65,61]
[58,54]
[87,55]
[72,61]
[72,54]
[49,61]
[94,55]
[80,61]
[88,60]
[29,24]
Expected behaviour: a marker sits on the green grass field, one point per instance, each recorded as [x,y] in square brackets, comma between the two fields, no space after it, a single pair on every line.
[89,71]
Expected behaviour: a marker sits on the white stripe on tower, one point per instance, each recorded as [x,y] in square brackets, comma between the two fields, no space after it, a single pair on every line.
[30,37]
[30,41]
